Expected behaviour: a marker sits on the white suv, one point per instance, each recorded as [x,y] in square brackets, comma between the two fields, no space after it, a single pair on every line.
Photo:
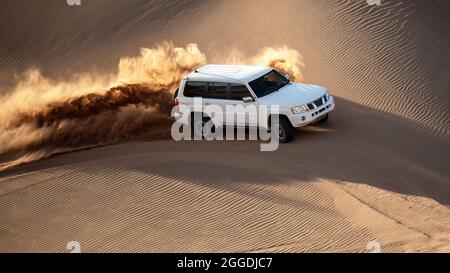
[231,85]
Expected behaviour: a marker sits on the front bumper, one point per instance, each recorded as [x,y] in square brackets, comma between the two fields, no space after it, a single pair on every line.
[306,118]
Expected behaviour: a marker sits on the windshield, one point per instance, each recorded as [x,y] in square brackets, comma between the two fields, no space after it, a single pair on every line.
[268,83]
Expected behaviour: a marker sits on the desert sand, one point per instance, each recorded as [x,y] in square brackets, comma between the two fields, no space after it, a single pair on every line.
[376,174]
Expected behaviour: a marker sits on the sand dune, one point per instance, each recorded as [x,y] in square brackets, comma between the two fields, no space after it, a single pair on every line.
[378,171]
[164,196]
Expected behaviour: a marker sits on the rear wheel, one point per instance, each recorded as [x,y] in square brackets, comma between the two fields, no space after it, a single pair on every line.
[201,127]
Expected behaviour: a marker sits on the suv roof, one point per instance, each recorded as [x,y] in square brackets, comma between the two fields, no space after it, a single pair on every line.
[237,73]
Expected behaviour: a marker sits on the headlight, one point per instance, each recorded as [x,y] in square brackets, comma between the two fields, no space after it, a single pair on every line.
[327,95]
[299,109]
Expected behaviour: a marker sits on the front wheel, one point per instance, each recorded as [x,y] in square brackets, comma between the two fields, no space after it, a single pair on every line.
[284,129]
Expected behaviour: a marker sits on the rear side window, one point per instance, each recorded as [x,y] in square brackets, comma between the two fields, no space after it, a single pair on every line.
[238,91]
[195,89]
[217,90]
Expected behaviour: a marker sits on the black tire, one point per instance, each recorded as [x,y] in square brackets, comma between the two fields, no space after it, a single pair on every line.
[286,132]
[323,119]
[198,129]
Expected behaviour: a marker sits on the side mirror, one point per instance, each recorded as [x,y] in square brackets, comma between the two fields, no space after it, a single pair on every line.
[247,99]
[287,77]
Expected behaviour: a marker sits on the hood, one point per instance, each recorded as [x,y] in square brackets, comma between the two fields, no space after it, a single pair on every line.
[294,94]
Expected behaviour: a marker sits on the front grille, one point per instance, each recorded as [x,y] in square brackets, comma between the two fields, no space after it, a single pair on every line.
[317,103]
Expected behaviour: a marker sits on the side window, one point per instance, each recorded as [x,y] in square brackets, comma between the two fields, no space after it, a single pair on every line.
[194,89]
[238,91]
[217,90]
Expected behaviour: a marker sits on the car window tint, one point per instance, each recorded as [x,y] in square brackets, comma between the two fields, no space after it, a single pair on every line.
[238,91]
[217,90]
[195,89]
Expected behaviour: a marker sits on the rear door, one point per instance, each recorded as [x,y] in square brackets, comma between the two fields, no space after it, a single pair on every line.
[217,96]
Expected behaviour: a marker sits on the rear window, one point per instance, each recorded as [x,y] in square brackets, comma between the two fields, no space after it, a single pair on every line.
[238,91]
[195,89]
[217,90]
